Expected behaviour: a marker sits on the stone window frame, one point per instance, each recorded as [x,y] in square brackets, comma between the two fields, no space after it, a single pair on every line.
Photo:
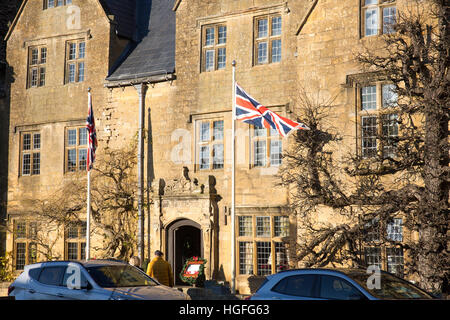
[211,142]
[384,112]
[216,47]
[24,238]
[269,38]
[385,258]
[379,7]
[78,147]
[37,60]
[50,4]
[386,255]
[77,59]
[267,139]
[257,245]
[30,151]
[76,239]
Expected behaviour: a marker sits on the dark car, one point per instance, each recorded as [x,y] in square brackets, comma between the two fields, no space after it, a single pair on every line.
[337,284]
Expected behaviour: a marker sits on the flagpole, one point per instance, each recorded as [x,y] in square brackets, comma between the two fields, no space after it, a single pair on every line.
[233,187]
[88,205]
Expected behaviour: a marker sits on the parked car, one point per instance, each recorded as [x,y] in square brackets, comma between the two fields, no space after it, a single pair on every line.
[91,280]
[336,284]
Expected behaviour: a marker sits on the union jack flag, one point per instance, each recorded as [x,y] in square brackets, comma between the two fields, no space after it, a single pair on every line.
[90,125]
[251,111]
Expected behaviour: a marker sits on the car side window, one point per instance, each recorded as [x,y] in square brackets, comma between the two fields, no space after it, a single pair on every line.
[34,273]
[74,278]
[299,285]
[336,288]
[52,275]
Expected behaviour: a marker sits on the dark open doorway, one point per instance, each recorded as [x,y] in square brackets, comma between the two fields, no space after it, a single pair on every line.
[184,241]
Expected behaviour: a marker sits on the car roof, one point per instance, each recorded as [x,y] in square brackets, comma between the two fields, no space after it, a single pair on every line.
[342,270]
[89,263]
[345,271]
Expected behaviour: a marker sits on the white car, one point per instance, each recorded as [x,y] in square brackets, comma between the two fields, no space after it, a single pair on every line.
[336,284]
[91,280]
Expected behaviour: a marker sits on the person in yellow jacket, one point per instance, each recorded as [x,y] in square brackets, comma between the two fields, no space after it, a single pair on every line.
[160,269]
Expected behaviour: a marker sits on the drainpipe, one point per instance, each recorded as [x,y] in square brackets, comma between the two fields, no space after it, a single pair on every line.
[141,89]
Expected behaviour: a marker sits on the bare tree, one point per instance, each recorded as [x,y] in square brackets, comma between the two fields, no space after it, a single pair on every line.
[113,202]
[412,182]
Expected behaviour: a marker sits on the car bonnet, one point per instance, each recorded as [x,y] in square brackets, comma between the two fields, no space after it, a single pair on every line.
[159,292]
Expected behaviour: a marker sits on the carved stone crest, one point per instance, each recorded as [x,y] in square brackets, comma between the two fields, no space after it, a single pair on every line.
[183,185]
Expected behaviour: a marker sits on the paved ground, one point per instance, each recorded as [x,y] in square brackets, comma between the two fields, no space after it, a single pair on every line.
[210,293]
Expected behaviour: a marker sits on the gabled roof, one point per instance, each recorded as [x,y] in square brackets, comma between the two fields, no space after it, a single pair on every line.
[155,53]
[124,12]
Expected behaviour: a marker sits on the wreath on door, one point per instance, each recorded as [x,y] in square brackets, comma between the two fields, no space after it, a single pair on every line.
[193,271]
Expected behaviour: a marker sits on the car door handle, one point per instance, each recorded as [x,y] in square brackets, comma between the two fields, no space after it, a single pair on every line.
[60,295]
[31,291]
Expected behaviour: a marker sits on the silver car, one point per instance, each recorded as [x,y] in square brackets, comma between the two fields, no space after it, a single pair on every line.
[336,284]
[91,280]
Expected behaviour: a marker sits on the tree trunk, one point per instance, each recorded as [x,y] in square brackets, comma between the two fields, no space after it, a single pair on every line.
[434,211]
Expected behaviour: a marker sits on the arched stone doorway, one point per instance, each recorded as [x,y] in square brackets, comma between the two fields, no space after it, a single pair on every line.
[184,240]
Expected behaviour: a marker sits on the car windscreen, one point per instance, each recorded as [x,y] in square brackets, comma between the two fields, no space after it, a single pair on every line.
[119,276]
[390,287]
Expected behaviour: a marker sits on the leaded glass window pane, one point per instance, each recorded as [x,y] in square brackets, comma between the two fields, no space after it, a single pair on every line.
[72,137]
[395,263]
[276,50]
[276,26]
[281,259]
[369,136]
[263,226]
[371,22]
[245,226]
[281,226]
[204,157]
[262,52]
[222,58]
[245,257]
[369,98]
[209,37]
[275,152]
[222,35]
[263,258]
[260,153]
[373,256]
[389,19]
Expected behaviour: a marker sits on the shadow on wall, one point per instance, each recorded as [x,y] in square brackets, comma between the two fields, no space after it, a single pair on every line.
[6,78]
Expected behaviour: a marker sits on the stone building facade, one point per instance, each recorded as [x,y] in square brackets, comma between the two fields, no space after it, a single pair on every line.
[174,71]
[56,50]
[6,16]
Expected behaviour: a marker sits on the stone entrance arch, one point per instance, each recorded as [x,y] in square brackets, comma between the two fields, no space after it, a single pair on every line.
[184,239]
[186,210]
